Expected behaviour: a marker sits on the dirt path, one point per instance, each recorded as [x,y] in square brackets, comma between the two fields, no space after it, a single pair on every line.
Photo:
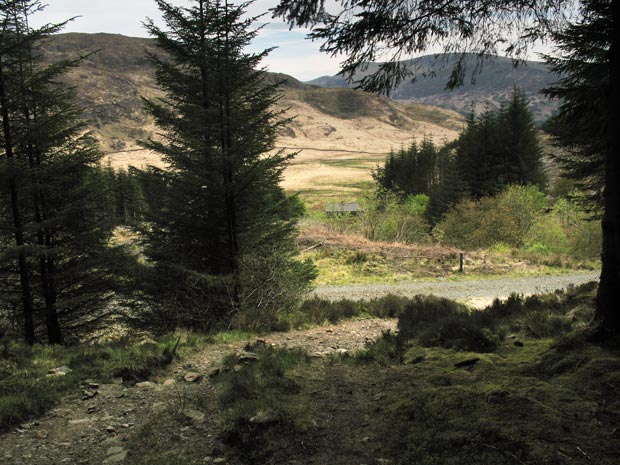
[94,431]
[93,425]
[474,292]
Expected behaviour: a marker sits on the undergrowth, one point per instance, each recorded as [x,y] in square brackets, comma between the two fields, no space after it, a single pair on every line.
[436,322]
[255,398]
[517,383]
[28,388]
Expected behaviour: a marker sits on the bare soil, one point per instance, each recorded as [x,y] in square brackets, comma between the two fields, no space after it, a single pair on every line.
[87,431]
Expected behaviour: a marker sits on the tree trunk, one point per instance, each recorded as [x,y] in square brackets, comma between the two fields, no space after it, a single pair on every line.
[54,333]
[22,263]
[607,317]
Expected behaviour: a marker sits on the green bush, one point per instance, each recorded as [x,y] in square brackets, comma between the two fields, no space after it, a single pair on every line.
[423,312]
[461,332]
[388,219]
[565,230]
[435,322]
[389,306]
[506,218]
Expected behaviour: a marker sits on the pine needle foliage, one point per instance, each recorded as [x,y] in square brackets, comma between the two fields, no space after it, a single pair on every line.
[216,236]
[52,270]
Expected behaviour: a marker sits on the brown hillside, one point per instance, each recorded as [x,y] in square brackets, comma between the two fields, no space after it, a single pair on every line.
[340,133]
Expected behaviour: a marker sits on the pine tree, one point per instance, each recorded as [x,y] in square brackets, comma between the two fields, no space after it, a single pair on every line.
[520,141]
[477,155]
[59,240]
[586,126]
[411,171]
[498,148]
[215,230]
[12,169]
[582,88]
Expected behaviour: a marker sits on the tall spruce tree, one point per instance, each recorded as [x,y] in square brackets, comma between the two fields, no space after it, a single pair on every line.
[12,171]
[500,147]
[588,65]
[216,236]
[48,157]
[415,170]
[521,148]
[581,62]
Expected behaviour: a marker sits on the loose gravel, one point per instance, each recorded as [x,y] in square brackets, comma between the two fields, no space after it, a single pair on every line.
[477,293]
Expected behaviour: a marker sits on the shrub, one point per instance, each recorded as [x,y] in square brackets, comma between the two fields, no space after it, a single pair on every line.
[386,218]
[566,230]
[461,332]
[425,311]
[506,218]
[389,306]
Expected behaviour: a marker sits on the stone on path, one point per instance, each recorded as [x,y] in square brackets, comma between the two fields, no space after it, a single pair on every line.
[59,371]
[115,454]
[146,385]
[192,377]
[195,415]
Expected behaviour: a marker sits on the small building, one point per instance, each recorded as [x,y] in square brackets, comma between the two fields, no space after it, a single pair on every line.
[344,208]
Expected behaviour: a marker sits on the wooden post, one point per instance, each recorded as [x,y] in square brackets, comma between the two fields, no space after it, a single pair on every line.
[461,262]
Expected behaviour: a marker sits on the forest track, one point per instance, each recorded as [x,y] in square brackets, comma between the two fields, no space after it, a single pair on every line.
[477,293]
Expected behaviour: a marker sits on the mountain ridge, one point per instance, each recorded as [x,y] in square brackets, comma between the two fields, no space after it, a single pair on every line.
[490,84]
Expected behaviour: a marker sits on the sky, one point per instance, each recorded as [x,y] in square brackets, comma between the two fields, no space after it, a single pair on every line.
[295,55]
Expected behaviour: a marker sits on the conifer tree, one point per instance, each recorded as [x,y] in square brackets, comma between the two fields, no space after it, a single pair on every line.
[582,89]
[411,171]
[48,156]
[215,224]
[498,148]
[586,126]
[520,141]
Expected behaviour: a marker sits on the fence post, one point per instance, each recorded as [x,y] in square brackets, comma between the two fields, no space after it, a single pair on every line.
[461,262]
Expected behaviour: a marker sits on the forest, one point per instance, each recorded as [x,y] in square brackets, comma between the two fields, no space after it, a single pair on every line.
[187,286]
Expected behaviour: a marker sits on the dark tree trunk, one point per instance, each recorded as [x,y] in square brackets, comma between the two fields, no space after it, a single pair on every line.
[607,317]
[54,333]
[22,263]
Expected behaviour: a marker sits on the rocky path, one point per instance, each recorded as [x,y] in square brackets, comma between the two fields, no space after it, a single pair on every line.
[92,426]
[474,292]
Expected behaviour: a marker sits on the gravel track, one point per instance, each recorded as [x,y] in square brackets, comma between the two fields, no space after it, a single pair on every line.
[477,293]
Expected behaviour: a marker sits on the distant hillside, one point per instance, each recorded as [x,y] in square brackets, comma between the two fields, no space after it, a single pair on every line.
[339,134]
[112,79]
[491,85]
